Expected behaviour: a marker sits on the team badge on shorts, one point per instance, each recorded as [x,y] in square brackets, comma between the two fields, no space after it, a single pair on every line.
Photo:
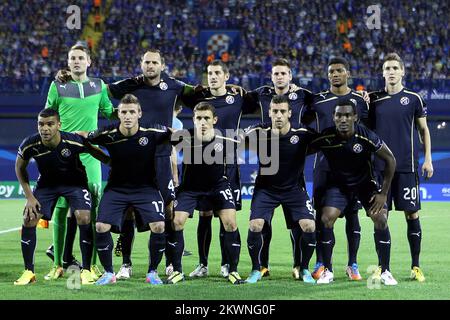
[66,153]
[294,139]
[229,99]
[143,141]
[404,101]
[163,86]
[293,96]
[357,148]
[218,147]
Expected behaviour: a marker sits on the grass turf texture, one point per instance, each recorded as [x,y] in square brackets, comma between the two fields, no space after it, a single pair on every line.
[435,258]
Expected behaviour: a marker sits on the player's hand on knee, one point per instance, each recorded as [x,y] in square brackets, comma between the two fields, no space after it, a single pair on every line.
[377,203]
[63,76]
[32,209]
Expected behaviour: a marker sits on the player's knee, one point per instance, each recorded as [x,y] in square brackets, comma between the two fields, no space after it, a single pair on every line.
[327,220]
[30,223]
[205,213]
[157,227]
[102,227]
[412,215]
[256,225]
[307,225]
[229,224]
[83,217]
[178,222]
[380,220]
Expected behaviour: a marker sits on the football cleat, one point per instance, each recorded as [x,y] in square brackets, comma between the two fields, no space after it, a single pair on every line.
[55,273]
[50,252]
[125,272]
[319,269]
[175,277]
[27,277]
[153,278]
[106,278]
[353,272]
[95,271]
[74,262]
[254,276]
[307,277]
[327,277]
[118,248]
[169,270]
[86,277]
[296,273]
[417,274]
[225,270]
[187,253]
[235,278]
[200,271]
[387,279]
[265,272]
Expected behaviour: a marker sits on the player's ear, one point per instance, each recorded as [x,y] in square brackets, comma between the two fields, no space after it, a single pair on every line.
[289,113]
[290,75]
[88,59]
[227,76]
[215,119]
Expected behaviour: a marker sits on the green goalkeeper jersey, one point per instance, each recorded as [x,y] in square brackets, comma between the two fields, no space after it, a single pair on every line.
[79,103]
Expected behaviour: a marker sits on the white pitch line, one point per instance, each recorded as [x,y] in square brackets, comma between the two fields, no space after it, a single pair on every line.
[10,230]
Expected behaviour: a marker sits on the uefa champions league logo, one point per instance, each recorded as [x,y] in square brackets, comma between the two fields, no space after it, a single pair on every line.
[229,99]
[404,101]
[143,141]
[357,148]
[66,153]
[293,96]
[294,139]
[163,86]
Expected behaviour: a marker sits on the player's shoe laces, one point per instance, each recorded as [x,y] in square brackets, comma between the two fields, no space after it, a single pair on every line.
[254,276]
[417,274]
[200,271]
[265,272]
[175,277]
[387,279]
[319,269]
[95,271]
[50,252]
[307,277]
[235,278]
[125,272]
[327,277]
[27,277]
[225,270]
[169,270]
[296,273]
[153,278]
[106,278]
[86,277]
[353,272]
[55,273]
[118,248]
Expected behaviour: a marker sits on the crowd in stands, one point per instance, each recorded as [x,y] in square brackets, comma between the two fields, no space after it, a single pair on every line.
[34,39]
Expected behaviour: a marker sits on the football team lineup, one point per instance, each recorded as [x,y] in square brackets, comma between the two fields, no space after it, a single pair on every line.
[360,165]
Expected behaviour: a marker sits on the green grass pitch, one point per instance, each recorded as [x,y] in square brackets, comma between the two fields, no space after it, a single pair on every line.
[435,259]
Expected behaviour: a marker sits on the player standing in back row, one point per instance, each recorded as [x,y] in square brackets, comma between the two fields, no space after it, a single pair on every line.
[398,116]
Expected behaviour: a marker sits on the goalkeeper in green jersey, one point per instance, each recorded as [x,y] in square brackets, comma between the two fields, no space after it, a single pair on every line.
[78,102]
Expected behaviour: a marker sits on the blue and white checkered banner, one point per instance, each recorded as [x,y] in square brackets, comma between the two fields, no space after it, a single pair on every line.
[219,41]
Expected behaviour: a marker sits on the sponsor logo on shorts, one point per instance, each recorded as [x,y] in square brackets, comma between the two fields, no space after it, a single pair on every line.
[163,86]
[143,141]
[293,96]
[66,153]
[218,147]
[404,101]
[294,139]
[357,148]
[229,99]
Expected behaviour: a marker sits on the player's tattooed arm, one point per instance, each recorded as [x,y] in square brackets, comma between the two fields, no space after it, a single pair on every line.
[378,200]
[32,207]
[424,134]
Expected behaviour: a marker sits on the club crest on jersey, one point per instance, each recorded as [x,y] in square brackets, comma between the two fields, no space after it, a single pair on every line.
[353,101]
[218,147]
[92,84]
[163,86]
[66,153]
[357,148]
[293,96]
[404,101]
[294,139]
[229,99]
[143,141]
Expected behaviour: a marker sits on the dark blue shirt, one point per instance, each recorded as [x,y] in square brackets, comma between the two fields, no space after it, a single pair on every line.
[323,105]
[133,158]
[289,153]
[350,160]
[157,102]
[393,118]
[60,166]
